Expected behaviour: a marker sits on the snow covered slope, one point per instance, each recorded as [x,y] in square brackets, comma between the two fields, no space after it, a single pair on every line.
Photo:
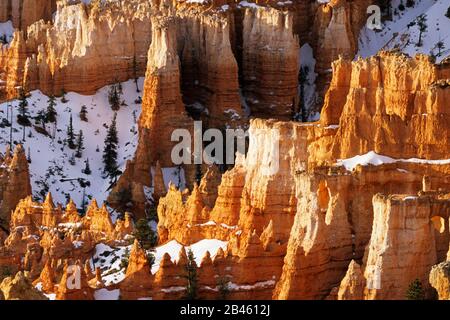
[403,32]
[50,156]
[6,31]
[109,259]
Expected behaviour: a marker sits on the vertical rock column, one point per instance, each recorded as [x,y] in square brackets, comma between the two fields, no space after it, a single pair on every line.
[403,246]
[270,63]
[162,109]
[210,70]
[15,182]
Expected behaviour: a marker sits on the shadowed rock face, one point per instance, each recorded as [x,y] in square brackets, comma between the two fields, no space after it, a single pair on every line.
[270,63]
[15,182]
[20,288]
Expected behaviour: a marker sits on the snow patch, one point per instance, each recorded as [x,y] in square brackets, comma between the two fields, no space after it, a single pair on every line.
[307,65]
[376,160]
[247,4]
[104,294]
[6,31]
[199,250]
[50,157]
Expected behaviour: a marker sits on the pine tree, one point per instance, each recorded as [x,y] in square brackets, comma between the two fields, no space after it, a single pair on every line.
[191,276]
[410,3]
[415,291]
[150,258]
[224,288]
[422,23]
[70,134]
[145,235]
[23,102]
[50,114]
[63,96]
[401,6]
[125,259]
[448,13]
[72,159]
[80,143]
[114,97]
[440,46]
[110,150]
[87,168]
[29,155]
[385,7]
[303,81]
[40,118]
[83,114]
[22,117]
[178,176]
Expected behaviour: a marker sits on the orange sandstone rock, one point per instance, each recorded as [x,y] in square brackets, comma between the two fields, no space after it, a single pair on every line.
[138,279]
[15,181]
[74,284]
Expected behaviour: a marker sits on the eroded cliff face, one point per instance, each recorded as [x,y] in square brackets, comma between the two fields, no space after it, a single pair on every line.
[328,189]
[270,63]
[254,209]
[407,231]
[336,30]
[390,104]
[84,48]
[42,233]
[251,194]
[213,40]
[209,70]
[313,199]
[15,182]
[23,13]
[299,219]
[163,108]
[191,74]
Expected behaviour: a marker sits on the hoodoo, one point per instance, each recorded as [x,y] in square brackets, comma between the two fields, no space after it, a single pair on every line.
[224,150]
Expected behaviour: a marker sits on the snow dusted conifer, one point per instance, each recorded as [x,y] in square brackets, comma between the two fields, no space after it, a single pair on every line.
[423,27]
[22,117]
[191,276]
[114,97]
[50,113]
[80,145]
[87,168]
[110,150]
[70,134]
[63,98]
[29,155]
[83,114]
